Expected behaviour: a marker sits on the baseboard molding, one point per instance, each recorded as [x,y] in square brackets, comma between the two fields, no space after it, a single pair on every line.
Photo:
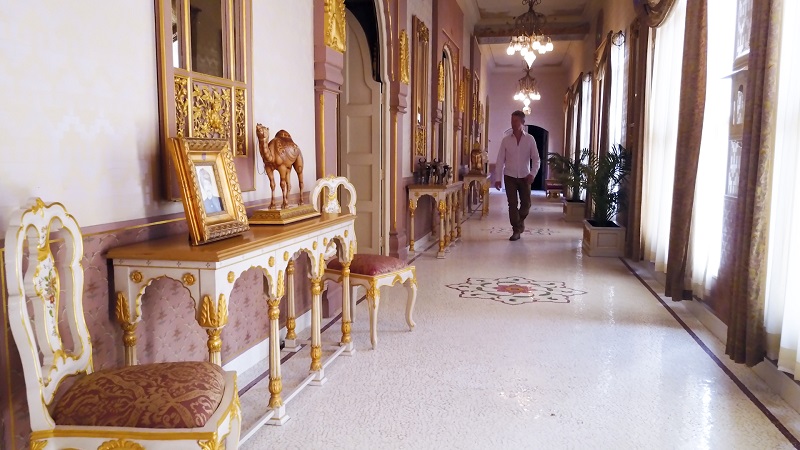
[423,243]
[708,319]
[259,352]
[777,381]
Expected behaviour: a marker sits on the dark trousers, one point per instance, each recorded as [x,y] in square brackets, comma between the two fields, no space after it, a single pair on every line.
[518,193]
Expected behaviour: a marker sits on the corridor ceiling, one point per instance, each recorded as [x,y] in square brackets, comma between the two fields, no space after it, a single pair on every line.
[566,21]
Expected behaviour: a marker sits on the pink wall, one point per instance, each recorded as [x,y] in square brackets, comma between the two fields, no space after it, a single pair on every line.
[450,20]
[547,113]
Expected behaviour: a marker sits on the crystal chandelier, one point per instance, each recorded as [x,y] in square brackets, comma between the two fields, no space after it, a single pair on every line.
[527,91]
[528,38]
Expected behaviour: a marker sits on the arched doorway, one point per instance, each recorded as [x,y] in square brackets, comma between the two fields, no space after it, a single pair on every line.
[541,136]
[363,125]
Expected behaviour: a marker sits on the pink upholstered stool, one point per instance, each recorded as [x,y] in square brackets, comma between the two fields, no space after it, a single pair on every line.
[373,272]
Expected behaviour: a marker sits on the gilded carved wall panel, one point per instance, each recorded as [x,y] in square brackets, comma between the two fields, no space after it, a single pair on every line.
[420,140]
[240,112]
[181,104]
[211,111]
[440,84]
[335,32]
[405,63]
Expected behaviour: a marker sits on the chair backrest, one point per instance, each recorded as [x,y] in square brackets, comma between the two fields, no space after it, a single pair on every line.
[35,283]
[330,203]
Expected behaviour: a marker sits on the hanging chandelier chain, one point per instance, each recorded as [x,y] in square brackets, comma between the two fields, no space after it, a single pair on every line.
[530,22]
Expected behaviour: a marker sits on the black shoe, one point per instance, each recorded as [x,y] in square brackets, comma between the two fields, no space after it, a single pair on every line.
[514,237]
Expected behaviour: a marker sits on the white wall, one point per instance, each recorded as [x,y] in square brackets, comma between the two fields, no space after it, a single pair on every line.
[80,118]
[283,81]
[547,113]
[80,108]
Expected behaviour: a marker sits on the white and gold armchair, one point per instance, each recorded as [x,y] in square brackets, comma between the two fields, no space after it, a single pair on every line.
[183,405]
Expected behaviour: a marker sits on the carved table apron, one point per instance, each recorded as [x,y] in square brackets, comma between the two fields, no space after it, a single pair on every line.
[209,271]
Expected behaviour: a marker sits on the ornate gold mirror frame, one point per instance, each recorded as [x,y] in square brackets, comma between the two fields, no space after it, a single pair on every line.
[205,80]
[466,103]
[420,82]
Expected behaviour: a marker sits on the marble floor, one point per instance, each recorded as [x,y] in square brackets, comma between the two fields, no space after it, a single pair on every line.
[529,344]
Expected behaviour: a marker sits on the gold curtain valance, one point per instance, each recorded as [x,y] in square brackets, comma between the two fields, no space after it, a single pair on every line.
[653,12]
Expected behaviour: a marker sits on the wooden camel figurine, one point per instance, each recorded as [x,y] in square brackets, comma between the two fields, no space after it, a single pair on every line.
[280,154]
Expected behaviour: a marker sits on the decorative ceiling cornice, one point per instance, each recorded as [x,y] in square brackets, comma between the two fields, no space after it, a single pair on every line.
[498,34]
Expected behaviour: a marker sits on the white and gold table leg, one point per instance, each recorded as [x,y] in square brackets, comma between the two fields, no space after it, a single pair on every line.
[412,208]
[452,212]
[275,385]
[290,344]
[212,316]
[347,340]
[447,220]
[127,320]
[442,213]
[459,213]
[485,192]
[316,333]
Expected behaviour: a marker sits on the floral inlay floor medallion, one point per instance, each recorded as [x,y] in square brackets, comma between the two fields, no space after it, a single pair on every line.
[515,290]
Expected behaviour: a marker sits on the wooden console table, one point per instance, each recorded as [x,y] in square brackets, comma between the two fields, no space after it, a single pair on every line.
[483,189]
[209,271]
[448,199]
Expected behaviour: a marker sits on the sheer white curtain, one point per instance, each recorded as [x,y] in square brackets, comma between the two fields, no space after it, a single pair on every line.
[782,315]
[706,238]
[616,120]
[661,135]
[586,114]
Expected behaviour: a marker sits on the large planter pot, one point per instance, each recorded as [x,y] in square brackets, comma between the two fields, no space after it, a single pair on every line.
[574,211]
[603,241]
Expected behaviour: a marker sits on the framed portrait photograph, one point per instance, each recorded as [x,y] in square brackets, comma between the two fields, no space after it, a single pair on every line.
[212,198]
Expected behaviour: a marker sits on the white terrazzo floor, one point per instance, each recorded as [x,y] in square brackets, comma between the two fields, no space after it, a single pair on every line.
[596,361]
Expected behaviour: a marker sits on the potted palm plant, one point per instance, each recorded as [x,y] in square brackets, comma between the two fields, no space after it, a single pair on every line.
[604,176]
[571,173]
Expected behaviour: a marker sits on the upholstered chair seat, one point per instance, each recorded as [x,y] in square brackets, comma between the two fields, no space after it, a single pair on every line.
[371,265]
[164,395]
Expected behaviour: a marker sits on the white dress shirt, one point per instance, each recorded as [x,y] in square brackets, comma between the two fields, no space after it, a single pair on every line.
[514,159]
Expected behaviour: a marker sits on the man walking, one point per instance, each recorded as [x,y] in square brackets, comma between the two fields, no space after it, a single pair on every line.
[518,162]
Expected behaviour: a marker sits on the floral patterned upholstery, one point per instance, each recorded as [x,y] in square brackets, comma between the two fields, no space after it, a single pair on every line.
[164,395]
[370,265]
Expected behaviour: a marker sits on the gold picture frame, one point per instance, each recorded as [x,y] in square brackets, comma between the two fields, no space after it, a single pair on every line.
[212,198]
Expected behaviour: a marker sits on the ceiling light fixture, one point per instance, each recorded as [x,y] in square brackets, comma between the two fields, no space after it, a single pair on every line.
[527,90]
[528,37]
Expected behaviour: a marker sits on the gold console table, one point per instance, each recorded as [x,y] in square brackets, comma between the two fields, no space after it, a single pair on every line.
[448,200]
[483,189]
